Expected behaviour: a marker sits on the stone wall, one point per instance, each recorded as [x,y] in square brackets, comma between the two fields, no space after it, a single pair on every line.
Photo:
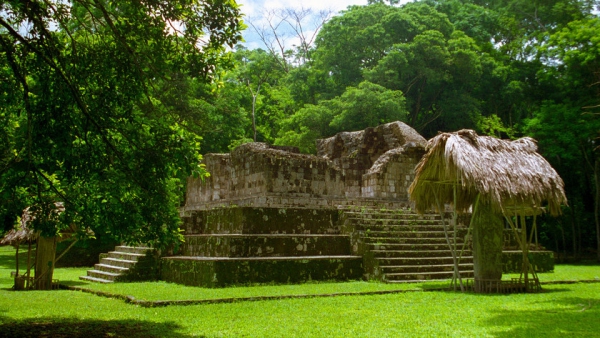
[257,169]
[392,173]
[249,220]
[350,168]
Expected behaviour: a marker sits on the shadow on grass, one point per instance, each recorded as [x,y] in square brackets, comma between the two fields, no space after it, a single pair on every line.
[88,328]
[578,319]
[7,257]
[73,283]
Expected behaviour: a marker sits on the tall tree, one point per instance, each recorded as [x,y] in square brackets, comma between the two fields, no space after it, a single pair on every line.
[359,38]
[568,126]
[92,118]
[366,105]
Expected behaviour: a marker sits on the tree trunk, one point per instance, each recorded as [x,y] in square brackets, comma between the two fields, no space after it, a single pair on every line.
[488,228]
[44,262]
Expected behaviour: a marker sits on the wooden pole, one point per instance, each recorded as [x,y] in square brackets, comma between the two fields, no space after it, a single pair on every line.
[441,210]
[525,252]
[469,229]
[537,246]
[17,258]
[28,273]
[66,250]
[455,220]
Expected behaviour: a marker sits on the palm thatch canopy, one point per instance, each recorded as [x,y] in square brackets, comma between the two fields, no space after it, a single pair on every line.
[19,235]
[509,175]
[24,232]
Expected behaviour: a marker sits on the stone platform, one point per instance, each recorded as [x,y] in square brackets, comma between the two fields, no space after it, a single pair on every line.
[223,271]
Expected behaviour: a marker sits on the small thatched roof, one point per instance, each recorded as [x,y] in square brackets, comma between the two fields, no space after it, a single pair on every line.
[509,175]
[23,233]
[19,235]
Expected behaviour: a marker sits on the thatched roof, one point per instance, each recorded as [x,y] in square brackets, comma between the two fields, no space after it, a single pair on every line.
[509,175]
[23,233]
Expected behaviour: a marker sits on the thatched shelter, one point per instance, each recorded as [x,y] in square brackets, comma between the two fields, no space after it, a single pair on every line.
[45,258]
[510,175]
[493,179]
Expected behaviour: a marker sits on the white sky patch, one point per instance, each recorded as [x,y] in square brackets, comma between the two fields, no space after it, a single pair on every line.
[254,7]
[254,11]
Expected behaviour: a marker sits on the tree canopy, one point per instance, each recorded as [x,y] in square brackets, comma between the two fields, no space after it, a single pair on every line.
[95,108]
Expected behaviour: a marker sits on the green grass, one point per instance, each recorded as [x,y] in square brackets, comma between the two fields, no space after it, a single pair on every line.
[571,310]
[567,272]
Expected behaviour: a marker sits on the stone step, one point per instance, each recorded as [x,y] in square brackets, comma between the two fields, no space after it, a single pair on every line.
[130,256]
[133,249]
[391,216]
[103,274]
[379,221]
[405,227]
[412,253]
[110,268]
[116,263]
[124,263]
[425,245]
[96,280]
[420,260]
[404,234]
[408,241]
[240,245]
[415,276]
[388,269]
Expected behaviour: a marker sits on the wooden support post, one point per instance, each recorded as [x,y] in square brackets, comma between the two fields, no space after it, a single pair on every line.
[469,229]
[17,259]
[454,258]
[525,253]
[28,273]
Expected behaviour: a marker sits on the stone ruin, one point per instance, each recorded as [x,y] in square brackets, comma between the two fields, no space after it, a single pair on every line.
[271,214]
[350,168]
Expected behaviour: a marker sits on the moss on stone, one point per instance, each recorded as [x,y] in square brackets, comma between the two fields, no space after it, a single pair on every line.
[219,273]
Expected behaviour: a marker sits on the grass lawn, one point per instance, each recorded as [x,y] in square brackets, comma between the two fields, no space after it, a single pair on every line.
[569,310]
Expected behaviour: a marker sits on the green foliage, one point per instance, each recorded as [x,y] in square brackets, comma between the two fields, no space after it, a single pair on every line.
[307,125]
[493,126]
[358,39]
[437,75]
[367,105]
[91,109]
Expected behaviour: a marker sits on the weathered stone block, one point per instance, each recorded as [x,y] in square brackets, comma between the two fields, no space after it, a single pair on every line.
[250,220]
[227,271]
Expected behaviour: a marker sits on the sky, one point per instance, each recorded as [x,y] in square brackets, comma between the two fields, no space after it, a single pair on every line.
[254,11]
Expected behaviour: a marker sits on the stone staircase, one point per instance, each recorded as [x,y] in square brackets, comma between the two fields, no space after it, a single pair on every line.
[401,246]
[116,264]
